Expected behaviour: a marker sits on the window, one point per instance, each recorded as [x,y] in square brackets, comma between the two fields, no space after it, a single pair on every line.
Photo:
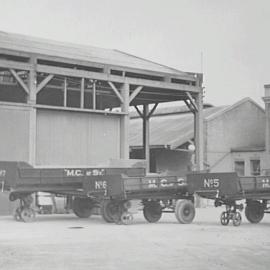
[239,167]
[255,167]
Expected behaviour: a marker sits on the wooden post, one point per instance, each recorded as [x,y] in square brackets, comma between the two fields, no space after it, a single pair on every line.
[124,123]
[198,125]
[31,100]
[94,95]
[65,92]
[32,82]
[146,136]
[82,94]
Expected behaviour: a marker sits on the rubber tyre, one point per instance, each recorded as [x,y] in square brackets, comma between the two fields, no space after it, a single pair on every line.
[82,207]
[152,212]
[237,219]
[224,218]
[254,212]
[17,214]
[107,211]
[28,215]
[184,211]
[126,218]
[13,196]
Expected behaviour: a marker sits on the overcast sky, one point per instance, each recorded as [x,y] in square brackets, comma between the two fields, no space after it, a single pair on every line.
[232,35]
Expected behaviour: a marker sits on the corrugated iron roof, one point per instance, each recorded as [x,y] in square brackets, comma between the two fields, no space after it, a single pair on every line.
[168,130]
[171,127]
[92,54]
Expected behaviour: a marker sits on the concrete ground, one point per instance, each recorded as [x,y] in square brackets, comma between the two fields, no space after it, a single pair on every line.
[66,242]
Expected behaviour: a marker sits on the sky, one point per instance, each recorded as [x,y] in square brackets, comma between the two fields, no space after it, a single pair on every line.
[227,40]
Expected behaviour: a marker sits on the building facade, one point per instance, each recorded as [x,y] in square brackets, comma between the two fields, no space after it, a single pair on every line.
[67,105]
[233,139]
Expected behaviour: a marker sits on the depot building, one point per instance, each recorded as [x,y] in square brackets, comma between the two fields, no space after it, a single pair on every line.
[68,105]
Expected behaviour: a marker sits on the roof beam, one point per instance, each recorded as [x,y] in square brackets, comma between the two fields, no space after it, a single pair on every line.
[135,93]
[19,80]
[113,78]
[188,76]
[44,82]
[15,65]
[115,90]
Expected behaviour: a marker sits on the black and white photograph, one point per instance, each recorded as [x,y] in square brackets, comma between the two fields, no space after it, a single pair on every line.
[135,135]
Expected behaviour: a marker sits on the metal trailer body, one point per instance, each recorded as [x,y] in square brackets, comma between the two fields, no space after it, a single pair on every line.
[112,189]
[228,188]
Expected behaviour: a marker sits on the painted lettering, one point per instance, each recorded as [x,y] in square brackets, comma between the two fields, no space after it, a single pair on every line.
[265,183]
[164,183]
[73,173]
[100,184]
[211,183]
[2,173]
[152,183]
[95,172]
[180,181]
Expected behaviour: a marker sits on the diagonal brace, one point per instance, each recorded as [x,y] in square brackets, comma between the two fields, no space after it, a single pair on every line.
[116,92]
[44,82]
[152,111]
[138,111]
[19,80]
[189,106]
[194,105]
[135,93]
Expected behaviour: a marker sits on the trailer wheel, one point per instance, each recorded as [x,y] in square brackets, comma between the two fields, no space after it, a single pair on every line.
[108,210]
[152,211]
[13,196]
[17,214]
[28,214]
[254,212]
[184,211]
[237,219]
[82,207]
[126,218]
[224,218]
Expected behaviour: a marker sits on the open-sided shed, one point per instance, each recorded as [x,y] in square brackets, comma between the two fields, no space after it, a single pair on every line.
[66,104]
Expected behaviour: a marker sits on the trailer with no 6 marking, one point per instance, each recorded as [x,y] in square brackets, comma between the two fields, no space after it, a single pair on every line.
[117,191]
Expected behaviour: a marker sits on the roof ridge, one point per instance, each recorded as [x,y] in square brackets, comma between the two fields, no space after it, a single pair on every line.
[231,107]
[50,41]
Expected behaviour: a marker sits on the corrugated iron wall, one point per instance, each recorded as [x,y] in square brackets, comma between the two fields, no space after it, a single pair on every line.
[14,135]
[75,138]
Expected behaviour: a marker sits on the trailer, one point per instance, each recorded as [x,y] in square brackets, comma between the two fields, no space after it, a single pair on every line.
[114,190]
[228,189]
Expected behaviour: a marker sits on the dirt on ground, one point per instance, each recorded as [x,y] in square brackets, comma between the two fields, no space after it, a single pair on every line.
[67,242]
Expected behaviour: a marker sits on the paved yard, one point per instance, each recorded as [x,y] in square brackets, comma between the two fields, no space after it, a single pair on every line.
[66,242]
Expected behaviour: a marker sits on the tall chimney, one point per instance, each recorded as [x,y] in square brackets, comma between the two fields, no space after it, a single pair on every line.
[266,160]
[266,100]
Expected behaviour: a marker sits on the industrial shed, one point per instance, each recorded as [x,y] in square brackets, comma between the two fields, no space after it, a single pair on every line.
[66,104]
[233,138]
